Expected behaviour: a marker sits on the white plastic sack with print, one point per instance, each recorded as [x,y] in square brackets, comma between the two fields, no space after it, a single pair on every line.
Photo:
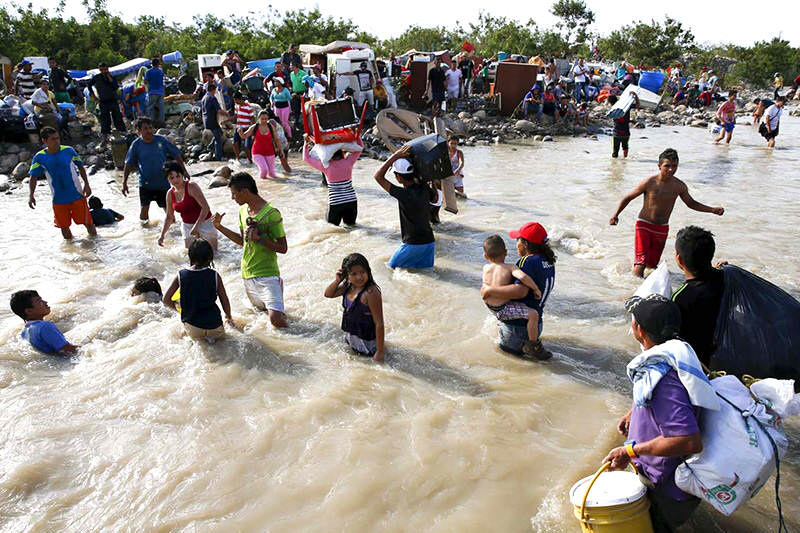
[656,283]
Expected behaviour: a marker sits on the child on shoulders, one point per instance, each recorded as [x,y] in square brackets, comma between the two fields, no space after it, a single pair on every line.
[498,273]
[101,216]
[200,286]
[43,335]
[362,317]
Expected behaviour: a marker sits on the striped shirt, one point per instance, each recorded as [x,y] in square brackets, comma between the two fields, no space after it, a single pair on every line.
[244,115]
[341,192]
[25,84]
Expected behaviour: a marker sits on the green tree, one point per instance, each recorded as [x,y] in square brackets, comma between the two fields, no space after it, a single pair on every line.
[654,44]
[757,64]
[493,34]
[423,39]
[574,20]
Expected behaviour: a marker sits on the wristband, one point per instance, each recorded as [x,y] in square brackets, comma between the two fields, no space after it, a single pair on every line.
[629,444]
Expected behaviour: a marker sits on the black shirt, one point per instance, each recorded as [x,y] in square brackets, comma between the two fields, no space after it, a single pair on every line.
[622,125]
[466,66]
[106,88]
[283,77]
[289,59]
[103,217]
[59,79]
[414,202]
[437,77]
[699,300]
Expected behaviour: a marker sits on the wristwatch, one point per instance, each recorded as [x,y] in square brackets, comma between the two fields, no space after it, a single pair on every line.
[629,444]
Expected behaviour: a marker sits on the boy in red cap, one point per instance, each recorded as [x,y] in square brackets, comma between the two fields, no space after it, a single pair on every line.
[537,260]
[652,226]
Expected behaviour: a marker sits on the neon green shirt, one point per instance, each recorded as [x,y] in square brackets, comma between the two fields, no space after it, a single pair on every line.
[258,261]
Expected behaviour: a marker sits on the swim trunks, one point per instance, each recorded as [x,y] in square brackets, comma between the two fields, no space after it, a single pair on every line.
[77,211]
[729,127]
[649,243]
[510,311]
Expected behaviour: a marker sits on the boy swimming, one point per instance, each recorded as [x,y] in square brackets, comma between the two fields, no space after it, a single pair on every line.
[652,226]
[42,334]
[498,273]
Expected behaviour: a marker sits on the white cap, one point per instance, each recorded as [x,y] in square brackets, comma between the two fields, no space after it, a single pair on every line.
[403,166]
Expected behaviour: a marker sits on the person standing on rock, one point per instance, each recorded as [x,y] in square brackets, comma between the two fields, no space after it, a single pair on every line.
[466,66]
[154,78]
[581,76]
[727,117]
[61,166]
[25,84]
[453,76]
[147,154]
[103,87]
[59,79]
[211,111]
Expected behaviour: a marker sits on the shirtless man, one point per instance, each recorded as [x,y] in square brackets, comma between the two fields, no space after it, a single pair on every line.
[652,226]
[498,273]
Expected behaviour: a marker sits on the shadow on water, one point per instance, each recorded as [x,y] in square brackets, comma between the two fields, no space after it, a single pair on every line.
[714,171]
[569,306]
[250,353]
[433,371]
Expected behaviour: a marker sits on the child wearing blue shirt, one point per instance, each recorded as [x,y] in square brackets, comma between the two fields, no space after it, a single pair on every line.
[43,335]
[100,215]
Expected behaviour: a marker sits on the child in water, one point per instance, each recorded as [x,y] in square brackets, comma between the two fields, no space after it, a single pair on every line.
[148,288]
[498,273]
[200,287]
[652,225]
[42,334]
[102,216]
[457,161]
[362,317]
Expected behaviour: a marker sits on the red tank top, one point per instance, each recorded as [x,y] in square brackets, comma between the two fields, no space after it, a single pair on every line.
[188,207]
[262,145]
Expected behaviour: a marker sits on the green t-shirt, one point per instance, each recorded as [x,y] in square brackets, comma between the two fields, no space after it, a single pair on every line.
[258,261]
[297,81]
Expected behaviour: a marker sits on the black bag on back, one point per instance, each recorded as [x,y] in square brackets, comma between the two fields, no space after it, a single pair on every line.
[758,328]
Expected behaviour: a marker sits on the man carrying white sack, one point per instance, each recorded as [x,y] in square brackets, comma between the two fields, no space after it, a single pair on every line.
[669,387]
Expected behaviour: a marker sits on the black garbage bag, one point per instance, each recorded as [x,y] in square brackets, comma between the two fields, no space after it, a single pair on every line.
[758,328]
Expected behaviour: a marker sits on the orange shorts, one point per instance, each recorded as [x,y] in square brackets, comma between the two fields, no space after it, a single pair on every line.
[77,211]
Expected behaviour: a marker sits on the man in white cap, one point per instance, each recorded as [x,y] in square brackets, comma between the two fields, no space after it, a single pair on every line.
[414,199]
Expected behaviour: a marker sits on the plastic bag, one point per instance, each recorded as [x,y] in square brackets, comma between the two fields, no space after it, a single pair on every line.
[324,152]
[758,328]
[738,457]
[778,395]
[656,283]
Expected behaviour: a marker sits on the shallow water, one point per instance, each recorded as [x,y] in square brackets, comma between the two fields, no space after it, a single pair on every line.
[285,431]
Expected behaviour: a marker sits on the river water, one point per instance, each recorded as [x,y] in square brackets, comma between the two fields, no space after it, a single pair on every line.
[146,430]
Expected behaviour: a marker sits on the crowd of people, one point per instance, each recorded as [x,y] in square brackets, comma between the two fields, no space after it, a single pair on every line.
[660,431]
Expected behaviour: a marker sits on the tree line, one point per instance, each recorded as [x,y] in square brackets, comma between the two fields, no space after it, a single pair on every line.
[29,31]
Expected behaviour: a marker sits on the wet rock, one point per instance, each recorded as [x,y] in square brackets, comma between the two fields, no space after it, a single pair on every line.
[8,162]
[464,115]
[206,157]
[538,138]
[20,171]
[227,148]
[479,114]
[457,126]
[525,126]
[12,149]
[24,155]
[699,124]
[219,181]
[666,116]
[164,131]
[207,137]
[5,183]
[196,150]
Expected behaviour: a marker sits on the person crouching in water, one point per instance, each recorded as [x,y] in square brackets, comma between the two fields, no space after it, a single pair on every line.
[537,260]
[414,199]
[200,286]
[362,306]
[342,201]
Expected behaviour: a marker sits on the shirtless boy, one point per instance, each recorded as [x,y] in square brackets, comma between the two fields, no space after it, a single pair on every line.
[498,273]
[652,225]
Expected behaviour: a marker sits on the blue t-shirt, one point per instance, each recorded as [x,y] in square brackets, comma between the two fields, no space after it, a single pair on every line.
[543,274]
[103,217]
[150,158]
[61,171]
[44,336]
[155,80]
[210,106]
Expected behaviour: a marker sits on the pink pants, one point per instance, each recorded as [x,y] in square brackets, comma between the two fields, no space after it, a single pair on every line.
[283,115]
[266,164]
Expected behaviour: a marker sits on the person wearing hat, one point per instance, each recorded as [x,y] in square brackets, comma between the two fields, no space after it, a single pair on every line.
[532,103]
[103,87]
[25,85]
[669,388]
[281,100]
[314,89]
[537,260]
[280,72]
[414,199]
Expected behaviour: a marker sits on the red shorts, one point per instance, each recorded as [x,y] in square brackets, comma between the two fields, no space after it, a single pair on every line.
[650,241]
[77,211]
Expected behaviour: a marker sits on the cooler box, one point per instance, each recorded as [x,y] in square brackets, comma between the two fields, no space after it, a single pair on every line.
[430,158]
[63,106]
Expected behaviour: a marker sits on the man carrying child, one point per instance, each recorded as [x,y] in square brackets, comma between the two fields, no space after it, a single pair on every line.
[652,226]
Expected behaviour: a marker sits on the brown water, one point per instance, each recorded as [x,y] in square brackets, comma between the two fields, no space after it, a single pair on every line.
[285,431]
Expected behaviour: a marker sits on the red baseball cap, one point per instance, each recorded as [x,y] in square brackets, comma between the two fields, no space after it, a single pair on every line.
[531,232]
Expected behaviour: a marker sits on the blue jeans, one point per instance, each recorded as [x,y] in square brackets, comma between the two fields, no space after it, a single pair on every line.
[514,333]
[154,100]
[581,87]
[217,143]
[413,256]
[531,107]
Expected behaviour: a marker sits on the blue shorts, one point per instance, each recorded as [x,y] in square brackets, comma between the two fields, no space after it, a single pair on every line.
[729,127]
[237,139]
[413,256]
[438,96]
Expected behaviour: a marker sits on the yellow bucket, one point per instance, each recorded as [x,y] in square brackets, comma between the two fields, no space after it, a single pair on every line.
[618,503]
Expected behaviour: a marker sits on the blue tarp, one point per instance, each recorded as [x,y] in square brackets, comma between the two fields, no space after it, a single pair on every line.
[267,66]
[119,70]
[651,81]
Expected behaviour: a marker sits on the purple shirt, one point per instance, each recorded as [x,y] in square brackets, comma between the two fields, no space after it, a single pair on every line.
[671,414]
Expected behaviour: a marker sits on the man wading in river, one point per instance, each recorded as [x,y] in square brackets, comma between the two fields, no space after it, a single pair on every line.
[652,225]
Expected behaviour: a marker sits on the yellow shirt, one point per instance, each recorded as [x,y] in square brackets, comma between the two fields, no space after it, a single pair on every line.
[778,82]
